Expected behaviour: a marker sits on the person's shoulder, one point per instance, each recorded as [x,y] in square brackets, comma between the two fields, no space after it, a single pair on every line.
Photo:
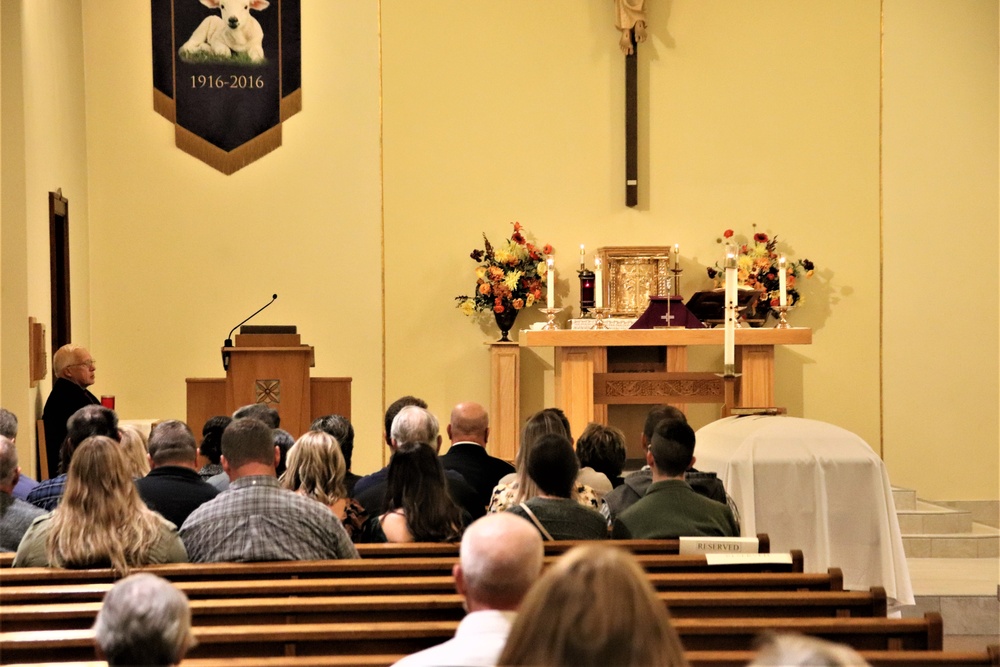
[26,509]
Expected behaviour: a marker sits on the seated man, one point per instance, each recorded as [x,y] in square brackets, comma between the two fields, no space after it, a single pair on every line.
[417,425]
[85,422]
[256,519]
[144,620]
[8,429]
[379,476]
[634,486]
[501,557]
[469,430]
[15,514]
[671,508]
[173,486]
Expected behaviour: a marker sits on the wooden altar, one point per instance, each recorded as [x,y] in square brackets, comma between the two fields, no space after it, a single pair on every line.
[584,387]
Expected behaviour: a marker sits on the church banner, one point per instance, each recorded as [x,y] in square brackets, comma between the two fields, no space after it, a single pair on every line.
[227,74]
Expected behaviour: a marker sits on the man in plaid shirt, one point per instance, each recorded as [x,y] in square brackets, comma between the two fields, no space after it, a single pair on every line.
[257,520]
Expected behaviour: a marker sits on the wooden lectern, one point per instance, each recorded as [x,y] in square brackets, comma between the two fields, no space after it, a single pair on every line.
[269,365]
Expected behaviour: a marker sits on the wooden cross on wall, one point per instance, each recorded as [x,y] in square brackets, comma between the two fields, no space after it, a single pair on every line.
[630,19]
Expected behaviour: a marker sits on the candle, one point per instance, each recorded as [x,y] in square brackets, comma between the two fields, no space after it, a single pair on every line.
[782,282]
[550,284]
[598,284]
[582,263]
[729,347]
[677,254]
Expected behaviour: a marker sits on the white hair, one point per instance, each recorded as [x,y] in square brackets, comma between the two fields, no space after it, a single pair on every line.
[144,620]
[415,424]
[501,557]
[792,650]
[8,460]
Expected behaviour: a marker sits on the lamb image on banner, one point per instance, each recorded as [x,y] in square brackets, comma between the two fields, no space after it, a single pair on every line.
[227,74]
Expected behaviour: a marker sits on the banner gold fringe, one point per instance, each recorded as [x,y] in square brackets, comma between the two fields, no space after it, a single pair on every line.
[164,106]
[231,162]
[291,104]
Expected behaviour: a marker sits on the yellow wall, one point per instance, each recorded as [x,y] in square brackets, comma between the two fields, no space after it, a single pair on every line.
[462,117]
[941,236]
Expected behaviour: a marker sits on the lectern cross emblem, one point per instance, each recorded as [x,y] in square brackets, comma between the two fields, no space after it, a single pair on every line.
[268,391]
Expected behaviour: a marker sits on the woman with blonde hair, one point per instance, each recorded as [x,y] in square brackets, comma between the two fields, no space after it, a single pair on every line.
[315,468]
[594,607]
[518,486]
[101,521]
[135,444]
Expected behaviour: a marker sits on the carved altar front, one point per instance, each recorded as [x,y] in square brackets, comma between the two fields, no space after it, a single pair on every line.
[585,387]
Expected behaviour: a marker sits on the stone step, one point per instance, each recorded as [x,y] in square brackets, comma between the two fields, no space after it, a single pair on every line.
[928,519]
[904,499]
[980,541]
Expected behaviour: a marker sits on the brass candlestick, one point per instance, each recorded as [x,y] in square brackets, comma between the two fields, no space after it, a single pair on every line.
[599,315]
[782,322]
[550,314]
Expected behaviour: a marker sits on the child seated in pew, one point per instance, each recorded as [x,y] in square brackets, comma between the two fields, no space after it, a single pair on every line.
[594,607]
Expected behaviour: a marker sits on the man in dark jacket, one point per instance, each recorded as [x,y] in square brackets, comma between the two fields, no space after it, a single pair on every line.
[173,486]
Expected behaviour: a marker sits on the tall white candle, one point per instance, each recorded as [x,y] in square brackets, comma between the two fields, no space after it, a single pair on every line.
[782,282]
[729,347]
[550,284]
[677,254]
[583,264]
[598,284]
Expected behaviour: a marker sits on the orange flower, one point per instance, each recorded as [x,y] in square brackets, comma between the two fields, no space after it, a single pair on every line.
[518,304]
[547,249]
[484,289]
[498,308]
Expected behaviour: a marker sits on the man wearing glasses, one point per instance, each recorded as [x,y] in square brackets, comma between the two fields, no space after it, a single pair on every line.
[73,370]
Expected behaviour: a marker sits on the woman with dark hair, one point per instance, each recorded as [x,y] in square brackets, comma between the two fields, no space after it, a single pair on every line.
[552,466]
[601,452]
[211,445]
[518,486]
[420,509]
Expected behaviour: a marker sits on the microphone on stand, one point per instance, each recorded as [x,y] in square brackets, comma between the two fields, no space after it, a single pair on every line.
[229,340]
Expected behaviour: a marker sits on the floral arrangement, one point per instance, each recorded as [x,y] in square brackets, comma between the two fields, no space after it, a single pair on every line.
[508,276]
[757,268]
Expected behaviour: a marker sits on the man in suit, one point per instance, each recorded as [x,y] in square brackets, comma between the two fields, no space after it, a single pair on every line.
[73,369]
[469,430]
[413,423]
[671,508]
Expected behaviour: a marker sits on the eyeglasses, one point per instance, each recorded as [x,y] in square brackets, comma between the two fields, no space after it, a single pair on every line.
[92,363]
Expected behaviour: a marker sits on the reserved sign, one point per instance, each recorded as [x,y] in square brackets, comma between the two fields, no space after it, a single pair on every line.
[719,545]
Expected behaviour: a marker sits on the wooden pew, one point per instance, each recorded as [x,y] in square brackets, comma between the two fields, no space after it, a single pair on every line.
[832,580]
[443,607]
[988,658]
[557,547]
[379,567]
[697,634]
[668,546]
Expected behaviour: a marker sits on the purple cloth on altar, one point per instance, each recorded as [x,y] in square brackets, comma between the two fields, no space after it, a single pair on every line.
[656,314]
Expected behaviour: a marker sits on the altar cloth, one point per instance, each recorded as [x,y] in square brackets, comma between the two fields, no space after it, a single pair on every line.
[811,486]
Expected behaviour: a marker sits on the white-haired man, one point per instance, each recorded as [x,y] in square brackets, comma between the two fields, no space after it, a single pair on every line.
[501,557]
[414,424]
[144,620]
[73,368]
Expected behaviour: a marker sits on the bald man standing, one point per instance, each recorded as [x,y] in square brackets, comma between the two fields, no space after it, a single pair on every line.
[73,369]
[469,430]
[501,557]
